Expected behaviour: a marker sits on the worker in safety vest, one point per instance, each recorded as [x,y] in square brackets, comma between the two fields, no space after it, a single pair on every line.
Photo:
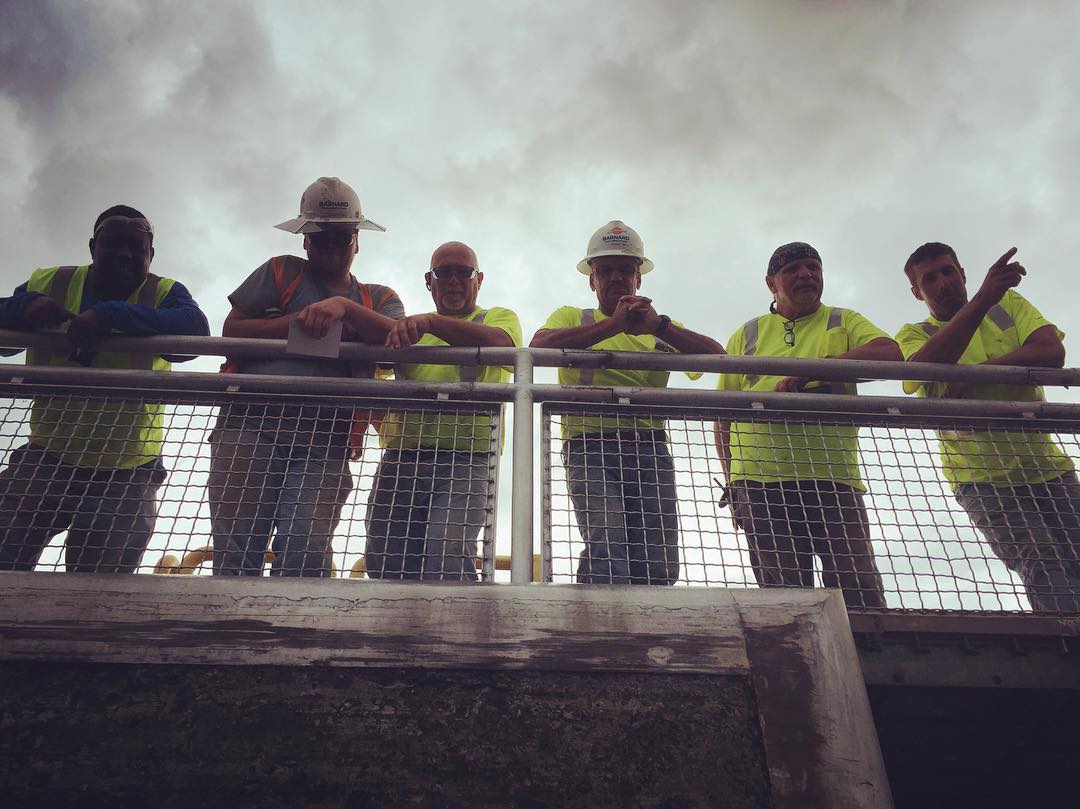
[619,469]
[93,467]
[284,468]
[1019,489]
[794,488]
[433,492]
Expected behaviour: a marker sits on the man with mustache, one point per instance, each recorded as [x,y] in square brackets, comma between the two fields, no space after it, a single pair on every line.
[431,496]
[93,467]
[1019,489]
[619,469]
[284,469]
[795,489]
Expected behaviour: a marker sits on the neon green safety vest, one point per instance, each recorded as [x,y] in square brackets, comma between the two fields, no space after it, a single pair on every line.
[96,433]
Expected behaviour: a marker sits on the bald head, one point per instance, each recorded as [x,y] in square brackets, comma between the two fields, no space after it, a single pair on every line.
[455,253]
[454,279]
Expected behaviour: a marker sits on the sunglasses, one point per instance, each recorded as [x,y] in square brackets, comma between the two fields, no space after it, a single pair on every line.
[462,272]
[135,223]
[789,332]
[330,239]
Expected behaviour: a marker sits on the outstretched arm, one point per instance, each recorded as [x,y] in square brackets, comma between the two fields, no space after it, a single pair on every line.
[952,339]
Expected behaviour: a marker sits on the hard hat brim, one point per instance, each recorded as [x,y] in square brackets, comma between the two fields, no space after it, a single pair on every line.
[302,224]
[584,268]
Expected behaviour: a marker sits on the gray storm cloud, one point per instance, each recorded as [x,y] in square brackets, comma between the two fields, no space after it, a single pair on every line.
[717,130]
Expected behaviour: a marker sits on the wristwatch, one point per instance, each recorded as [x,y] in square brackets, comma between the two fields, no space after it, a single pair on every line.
[665,321]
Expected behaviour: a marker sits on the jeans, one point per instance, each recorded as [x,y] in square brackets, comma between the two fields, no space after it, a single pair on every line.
[425,512]
[786,523]
[622,484]
[109,514]
[267,482]
[1035,530]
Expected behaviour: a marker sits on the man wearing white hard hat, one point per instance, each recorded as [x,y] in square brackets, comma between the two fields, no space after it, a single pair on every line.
[619,469]
[283,469]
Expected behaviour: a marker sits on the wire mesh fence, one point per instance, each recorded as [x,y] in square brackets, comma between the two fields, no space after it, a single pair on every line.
[904,504]
[642,497]
[258,486]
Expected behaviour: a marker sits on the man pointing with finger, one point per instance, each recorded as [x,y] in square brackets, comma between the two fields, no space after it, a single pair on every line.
[431,496]
[1019,489]
[619,469]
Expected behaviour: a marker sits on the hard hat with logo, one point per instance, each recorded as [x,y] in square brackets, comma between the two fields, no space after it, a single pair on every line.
[614,239]
[328,201]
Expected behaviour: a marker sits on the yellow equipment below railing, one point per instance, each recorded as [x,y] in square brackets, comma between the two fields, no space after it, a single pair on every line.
[170,564]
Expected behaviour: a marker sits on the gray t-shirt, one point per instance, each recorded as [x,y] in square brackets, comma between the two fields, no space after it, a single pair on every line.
[321,428]
[260,296]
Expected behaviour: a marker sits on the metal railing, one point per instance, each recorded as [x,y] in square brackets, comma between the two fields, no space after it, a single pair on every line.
[917,547]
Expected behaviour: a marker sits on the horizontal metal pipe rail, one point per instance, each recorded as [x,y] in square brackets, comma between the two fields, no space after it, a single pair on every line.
[823,369]
[22,382]
[19,382]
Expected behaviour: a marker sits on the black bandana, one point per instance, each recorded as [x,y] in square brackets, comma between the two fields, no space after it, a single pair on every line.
[787,253]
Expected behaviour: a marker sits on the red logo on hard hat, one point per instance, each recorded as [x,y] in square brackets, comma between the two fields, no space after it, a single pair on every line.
[616,231]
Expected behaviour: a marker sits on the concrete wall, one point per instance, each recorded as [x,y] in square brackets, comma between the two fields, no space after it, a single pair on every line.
[170,691]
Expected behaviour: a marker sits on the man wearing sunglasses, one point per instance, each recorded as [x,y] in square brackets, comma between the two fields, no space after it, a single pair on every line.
[283,469]
[431,496]
[93,467]
[619,470]
[795,489]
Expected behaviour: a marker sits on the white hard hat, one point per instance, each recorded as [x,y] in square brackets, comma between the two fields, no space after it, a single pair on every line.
[328,201]
[614,239]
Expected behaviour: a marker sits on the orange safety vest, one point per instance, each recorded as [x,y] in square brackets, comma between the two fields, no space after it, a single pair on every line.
[362,417]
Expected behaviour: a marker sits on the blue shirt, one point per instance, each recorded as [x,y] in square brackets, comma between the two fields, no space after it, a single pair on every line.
[177,314]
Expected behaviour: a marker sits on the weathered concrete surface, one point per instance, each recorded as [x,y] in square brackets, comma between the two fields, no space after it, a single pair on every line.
[199,736]
[555,695]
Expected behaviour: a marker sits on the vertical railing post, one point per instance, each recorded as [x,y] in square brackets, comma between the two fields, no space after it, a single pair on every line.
[521,518]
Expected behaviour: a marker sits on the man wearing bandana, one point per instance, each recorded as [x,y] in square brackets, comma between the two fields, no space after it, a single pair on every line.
[795,489]
[93,467]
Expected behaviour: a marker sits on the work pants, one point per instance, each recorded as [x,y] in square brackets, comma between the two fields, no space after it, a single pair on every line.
[622,484]
[109,514]
[787,523]
[264,483]
[1034,529]
[425,512]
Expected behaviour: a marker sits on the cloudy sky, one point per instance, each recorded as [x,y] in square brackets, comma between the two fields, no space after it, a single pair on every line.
[717,130]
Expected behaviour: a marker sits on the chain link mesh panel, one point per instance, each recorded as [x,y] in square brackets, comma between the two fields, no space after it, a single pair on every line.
[259,487]
[993,526]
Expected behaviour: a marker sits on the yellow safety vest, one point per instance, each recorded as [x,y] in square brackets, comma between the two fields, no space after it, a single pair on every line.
[97,433]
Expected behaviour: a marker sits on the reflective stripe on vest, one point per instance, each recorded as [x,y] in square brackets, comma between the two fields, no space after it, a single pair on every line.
[999,317]
[588,318]
[469,373]
[58,291]
[997,314]
[750,337]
